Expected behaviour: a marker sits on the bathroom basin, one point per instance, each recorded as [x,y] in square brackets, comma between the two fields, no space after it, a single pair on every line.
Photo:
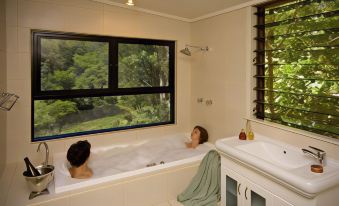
[278,155]
[281,162]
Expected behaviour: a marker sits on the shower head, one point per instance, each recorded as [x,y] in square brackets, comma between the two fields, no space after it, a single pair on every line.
[187,52]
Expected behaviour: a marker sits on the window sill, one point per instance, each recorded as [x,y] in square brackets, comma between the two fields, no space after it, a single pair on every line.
[296,131]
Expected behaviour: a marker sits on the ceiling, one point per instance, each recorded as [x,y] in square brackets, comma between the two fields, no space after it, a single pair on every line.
[186,9]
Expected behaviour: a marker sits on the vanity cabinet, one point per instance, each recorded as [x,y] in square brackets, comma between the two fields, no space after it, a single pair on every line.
[237,190]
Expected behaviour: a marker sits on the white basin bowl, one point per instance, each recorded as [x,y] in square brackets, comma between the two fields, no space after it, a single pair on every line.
[280,156]
[286,163]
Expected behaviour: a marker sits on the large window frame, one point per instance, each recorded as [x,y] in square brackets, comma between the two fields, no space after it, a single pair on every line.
[112,90]
[261,67]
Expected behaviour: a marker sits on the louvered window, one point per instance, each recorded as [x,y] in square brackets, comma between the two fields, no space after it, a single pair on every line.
[297,63]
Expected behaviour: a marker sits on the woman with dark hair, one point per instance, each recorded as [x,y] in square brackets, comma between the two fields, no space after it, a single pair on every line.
[199,135]
[78,155]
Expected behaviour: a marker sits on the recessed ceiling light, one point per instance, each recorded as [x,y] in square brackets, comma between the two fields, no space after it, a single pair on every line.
[130,3]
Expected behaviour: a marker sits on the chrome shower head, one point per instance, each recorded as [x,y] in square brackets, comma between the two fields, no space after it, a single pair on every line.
[186,51]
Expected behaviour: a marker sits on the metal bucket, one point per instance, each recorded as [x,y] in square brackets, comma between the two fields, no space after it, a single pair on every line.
[39,183]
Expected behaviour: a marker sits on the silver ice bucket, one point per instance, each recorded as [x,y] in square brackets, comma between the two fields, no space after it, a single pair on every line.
[39,183]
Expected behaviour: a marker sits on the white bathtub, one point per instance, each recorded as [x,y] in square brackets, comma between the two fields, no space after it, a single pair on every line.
[121,161]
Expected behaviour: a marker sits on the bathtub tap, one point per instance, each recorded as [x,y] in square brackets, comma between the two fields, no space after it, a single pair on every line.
[47,152]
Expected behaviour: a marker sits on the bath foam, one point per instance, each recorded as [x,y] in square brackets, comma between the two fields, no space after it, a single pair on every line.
[121,160]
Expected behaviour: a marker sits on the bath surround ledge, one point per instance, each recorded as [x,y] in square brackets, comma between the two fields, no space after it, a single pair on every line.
[14,191]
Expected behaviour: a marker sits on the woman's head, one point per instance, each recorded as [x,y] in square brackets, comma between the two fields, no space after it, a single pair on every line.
[78,153]
[200,133]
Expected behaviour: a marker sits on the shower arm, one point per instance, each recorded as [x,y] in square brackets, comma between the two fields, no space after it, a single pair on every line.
[199,47]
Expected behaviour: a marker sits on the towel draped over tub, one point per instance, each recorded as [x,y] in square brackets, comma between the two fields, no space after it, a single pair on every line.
[204,189]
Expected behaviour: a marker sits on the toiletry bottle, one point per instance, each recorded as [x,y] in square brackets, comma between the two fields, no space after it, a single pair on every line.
[242,135]
[30,169]
[250,135]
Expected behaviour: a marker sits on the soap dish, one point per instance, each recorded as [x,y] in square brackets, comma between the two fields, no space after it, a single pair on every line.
[317,168]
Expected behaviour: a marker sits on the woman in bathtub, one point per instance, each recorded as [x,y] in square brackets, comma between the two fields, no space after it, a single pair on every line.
[199,135]
[78,155]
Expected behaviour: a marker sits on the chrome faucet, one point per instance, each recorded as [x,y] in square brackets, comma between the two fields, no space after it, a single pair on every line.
[318,154]
[47,152]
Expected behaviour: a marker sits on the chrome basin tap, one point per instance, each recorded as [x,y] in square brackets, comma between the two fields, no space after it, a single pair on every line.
[47,152]
[318,154]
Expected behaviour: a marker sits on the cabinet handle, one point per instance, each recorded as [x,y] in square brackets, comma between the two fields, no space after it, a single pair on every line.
[239,188]
[246,193]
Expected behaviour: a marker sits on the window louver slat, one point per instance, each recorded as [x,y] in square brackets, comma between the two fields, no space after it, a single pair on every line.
[297,64]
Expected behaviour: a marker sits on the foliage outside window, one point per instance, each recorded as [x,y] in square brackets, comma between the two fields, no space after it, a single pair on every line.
[298,64]
[85,84]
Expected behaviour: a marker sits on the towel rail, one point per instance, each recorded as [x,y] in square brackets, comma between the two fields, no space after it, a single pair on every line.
[7,100]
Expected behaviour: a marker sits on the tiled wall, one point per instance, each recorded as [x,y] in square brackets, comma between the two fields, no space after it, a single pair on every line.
[82,16]
[220,73]
[2,84]
[223,75]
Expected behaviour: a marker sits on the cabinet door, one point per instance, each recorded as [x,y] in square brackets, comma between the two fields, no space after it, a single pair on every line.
[231,188]
[255,195]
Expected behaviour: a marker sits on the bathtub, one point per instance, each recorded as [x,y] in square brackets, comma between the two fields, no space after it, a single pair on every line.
[122,161]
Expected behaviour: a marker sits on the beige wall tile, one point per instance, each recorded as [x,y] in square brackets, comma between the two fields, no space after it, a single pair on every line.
[121,22]
[40,15]
[147,133]
[113,195]
[179,180]
[19,67]
[5,181]
[70,16]
[2,25]
[146,191]
[24,39]
[12,12]
[3,71]
[12,39]
[3,85]
[22,88]
[163,204]
[83,20]
[89,4]
[57,202]
[219,74]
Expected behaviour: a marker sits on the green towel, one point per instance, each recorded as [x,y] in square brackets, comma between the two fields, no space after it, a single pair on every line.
[204,189]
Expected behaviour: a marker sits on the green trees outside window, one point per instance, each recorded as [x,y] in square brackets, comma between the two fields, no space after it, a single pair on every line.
[298,65]
[89,84]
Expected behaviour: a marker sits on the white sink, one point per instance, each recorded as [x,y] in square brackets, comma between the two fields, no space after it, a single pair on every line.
[286,163]
[275,154]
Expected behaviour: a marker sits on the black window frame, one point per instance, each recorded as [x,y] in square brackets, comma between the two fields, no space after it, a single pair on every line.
[112,90]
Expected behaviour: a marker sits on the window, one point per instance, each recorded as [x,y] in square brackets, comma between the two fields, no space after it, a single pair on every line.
[297,64]
[84,84]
